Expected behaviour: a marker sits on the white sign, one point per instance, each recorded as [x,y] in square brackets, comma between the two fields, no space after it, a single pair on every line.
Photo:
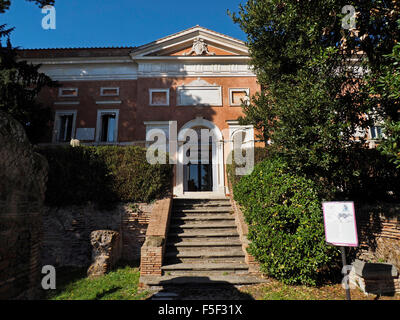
[340,223]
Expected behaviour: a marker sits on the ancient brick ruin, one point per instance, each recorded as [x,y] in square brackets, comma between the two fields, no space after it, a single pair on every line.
[23,175]
[106,251]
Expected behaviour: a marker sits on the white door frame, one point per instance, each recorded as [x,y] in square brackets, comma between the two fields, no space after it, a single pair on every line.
[217,157]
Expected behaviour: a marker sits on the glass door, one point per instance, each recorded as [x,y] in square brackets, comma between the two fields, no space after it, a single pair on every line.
[199,175]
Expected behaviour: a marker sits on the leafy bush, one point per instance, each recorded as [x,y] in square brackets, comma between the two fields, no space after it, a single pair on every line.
[260,153]
[285,221]
[103,175]
[134,178]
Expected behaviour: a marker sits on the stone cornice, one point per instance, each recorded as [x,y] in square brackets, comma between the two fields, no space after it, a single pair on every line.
[191,58]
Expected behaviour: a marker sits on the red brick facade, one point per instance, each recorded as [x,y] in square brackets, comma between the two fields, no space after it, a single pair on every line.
[208,65]
[135,109]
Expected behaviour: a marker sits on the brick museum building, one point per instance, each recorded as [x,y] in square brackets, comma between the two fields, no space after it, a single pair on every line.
[197,77]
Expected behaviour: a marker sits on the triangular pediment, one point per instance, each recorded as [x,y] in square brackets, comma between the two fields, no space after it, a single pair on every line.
[196,41]
[212,50]
[199,83]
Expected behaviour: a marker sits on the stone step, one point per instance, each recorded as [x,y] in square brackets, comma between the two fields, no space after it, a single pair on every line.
[217,203]
[203,240]
[203,225]
[210,244]
[229,280]
[175,269]
[204,255]
[200,201]
[202,217]
[203,208]
[214,204]
[204,266]
[215,210]
[205,233]
[165,296]
[228,260]
[204,273]
[199,208]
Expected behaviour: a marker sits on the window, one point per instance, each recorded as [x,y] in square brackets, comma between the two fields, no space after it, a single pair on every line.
[107,125]
[109,92]
[238,96]
[68,92]
[376,132]
[159,97]
[64,126]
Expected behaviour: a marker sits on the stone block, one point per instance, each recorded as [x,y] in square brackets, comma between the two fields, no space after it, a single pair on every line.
[106,251]
[375,278]
[375,270]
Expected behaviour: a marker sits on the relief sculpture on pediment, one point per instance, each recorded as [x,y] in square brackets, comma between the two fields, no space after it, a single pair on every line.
[199,48]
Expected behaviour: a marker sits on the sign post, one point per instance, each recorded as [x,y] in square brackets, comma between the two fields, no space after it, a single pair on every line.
[347,285]
[341,230]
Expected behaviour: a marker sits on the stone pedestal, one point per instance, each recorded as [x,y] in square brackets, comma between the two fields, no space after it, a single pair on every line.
[375,278]
[105,253]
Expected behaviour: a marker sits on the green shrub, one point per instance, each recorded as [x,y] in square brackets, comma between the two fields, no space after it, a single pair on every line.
[103,175]
[134,178]
[260,153]
[285,221]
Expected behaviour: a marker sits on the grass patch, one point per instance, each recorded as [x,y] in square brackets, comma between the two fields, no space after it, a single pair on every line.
[121,284]
[276,290]
[279,291]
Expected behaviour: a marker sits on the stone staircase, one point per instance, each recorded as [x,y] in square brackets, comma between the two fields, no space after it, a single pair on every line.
[203,246]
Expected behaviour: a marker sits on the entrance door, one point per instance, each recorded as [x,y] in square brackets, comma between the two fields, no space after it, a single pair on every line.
[198,175]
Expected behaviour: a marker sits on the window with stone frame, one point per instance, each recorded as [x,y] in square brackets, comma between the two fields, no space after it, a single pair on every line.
[68,92]
[376,130]
[107,125]
[109,92]
[159,97]
[64,126]
[238,96]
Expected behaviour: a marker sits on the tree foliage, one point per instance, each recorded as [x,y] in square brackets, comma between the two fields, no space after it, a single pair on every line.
[312,101]
[5,4]
[20,83]
[384,85]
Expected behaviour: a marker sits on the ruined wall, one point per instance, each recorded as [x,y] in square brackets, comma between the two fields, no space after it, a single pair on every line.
[23,175]
[67,232]
[379,233]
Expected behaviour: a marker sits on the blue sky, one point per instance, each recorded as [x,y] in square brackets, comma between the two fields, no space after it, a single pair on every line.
[92,23]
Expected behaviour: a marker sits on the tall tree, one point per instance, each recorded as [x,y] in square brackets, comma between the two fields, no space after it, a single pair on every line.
[21,82]
[5,4]
[311,104]
[384,85]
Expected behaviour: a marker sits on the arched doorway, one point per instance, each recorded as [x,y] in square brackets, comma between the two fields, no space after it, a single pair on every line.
[199,176]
